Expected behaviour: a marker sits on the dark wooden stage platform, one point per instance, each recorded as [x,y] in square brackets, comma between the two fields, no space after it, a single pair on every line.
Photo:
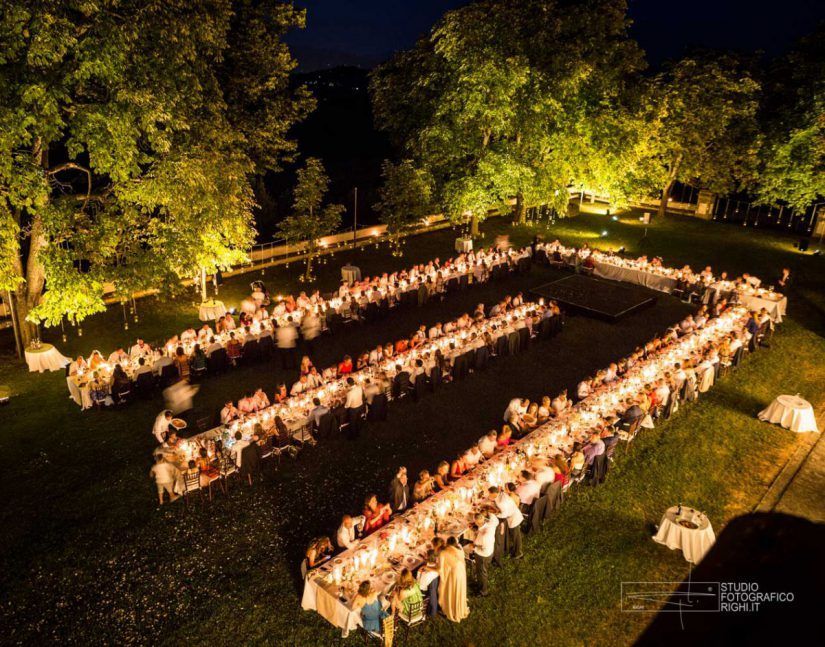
[599,298]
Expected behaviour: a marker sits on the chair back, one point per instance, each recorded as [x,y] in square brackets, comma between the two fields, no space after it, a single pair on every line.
[191,481]
[378,408]
[481,358]
[435,377]
[328,425]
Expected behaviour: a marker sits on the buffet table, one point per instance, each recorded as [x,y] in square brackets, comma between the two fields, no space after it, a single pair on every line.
[790,412]
[45,358]
[631,275]
[687,530]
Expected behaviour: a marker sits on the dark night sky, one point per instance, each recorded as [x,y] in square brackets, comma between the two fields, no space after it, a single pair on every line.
[365,32]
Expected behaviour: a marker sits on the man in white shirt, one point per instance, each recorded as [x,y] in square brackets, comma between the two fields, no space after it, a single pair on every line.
[161,426]
[140,349]
[483,547]
[354,405]
[515,410]
[117,357]
[229,413]
[528,489]
[142,367]
[583,390]
[487,444]
[300,386]
[165,475]
[160,362]
[237,448]
[347,535]
[509,513]
[473,457]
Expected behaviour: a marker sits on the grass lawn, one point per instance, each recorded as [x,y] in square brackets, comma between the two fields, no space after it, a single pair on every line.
[89,558]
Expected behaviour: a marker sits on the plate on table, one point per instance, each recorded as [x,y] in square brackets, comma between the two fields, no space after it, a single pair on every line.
[388,577]
[685,523]
[338,561]
[410,561]
[177,423]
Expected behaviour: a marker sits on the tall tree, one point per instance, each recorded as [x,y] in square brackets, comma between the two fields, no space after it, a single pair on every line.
[125,151]
[702,126]
[793,120]
[405,198]
[311,220]
[504,99]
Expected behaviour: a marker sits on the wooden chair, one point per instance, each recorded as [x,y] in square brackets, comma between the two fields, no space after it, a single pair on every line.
[192,485]
[415,617]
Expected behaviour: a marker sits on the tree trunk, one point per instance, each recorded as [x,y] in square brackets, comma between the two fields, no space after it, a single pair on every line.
[520,213]
[665,196]
[310,256]
[473,226]
[27,329]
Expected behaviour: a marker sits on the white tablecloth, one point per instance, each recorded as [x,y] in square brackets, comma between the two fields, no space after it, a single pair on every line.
[46,358]
[776,308]
[211,311]
[629,275]
[351,273]
[463,245]
[329,607]
[791,412]
[694,542]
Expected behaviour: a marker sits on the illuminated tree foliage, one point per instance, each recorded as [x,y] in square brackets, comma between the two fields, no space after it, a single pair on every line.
[311,220]
[793,158]
[128,135]
[511,100]
[405,199]
[701,127]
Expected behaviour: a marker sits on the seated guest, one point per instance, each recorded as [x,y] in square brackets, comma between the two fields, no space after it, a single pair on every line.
[142,367]
[400,491]
[560,403]
[423,487]
[458,467]
[280,393]
[160,362]
[472,457]
[198,361]
[376,355]
[247,403]
[300,386]
[543,472]
[140,349]
[318,411]
[306,365]
[442,476]
[237,449]
[234,350]
[505,437]
[401,383]
[314,379]
[345,367]
[372,611]
[487,444]
[405,594]
[528,489]
[318,551]
[371,389]
[594,448]
[583,390]
[229,413]
[362,362]
[213,346]
[261,400]
[515,410]
[633,412]
[348,531]
[118,356]
[98,389]
[375,514]
[401,346]
[610,439]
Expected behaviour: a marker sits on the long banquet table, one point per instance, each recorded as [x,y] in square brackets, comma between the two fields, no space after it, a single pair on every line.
[402,543]
[632,275]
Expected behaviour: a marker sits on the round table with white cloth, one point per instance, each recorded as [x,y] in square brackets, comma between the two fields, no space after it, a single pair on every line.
[211,310]
[45,358]
[689,531]
[791,412]
[351,273]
